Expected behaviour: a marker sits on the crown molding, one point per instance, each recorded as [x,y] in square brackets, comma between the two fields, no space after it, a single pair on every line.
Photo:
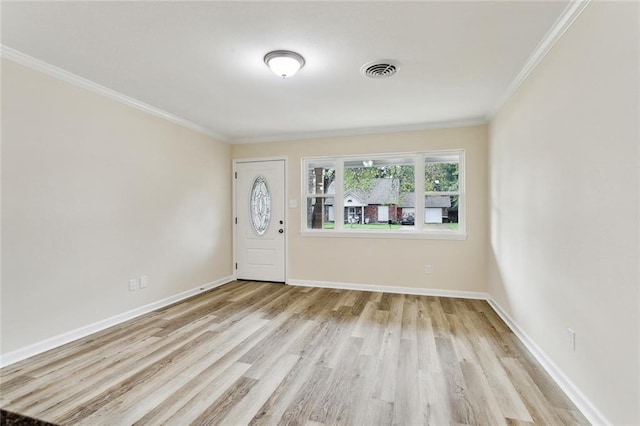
[476,121]
[557,30]
[560,26]
[59,73]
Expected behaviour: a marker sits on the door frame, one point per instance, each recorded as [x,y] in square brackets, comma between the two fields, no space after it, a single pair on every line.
[235,208]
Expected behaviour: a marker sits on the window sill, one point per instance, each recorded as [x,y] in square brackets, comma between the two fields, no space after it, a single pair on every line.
[408,235]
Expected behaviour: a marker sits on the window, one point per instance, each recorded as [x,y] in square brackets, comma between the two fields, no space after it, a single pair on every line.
[442,192]
[320,184]
[376,190]
[413,195]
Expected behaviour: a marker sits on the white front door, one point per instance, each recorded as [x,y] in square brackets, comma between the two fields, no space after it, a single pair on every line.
[260,228]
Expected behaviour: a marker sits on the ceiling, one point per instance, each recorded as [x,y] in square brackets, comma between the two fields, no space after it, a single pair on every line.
[203,61]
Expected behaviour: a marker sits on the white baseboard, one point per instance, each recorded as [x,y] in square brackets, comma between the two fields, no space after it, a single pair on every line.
[587,408]
[392,289]
[61,339]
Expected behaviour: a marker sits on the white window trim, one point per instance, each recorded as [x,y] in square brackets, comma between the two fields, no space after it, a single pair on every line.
[418,231]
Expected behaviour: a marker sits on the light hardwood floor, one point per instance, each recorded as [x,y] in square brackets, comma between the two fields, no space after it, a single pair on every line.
[267,354]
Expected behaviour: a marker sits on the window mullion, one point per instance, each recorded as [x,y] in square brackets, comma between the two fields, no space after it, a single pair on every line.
[419,182]
[339,195]
[443,193]
[462,219]
[305,195]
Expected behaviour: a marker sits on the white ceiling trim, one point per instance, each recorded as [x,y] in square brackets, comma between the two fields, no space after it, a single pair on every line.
[568,16]
[477,121]
[562,24]
[53,71]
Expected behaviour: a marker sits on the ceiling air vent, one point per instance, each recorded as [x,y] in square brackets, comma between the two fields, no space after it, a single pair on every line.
[379,69]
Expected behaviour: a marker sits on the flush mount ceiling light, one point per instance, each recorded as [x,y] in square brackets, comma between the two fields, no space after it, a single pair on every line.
[284,63]
[367,163]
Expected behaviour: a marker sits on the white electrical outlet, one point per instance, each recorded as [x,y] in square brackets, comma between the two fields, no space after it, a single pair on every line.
[144,281]
[427,269]
[571,338]
[133,284]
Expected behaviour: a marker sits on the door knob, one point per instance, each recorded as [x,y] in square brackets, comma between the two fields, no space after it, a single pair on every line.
[281,222]
[281,231]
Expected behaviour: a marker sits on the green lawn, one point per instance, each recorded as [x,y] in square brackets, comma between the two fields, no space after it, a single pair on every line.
[446,226]
[330,225]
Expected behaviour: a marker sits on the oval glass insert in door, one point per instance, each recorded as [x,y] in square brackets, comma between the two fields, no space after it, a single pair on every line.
[260,205]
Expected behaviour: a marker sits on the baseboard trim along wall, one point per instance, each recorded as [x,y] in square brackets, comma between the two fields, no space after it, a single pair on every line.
[589,410]
[53,342]
[392,289]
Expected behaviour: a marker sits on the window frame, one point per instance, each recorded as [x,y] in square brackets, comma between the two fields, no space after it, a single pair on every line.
[420,230]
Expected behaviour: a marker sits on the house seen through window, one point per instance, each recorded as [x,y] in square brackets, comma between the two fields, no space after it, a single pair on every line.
[442,191]
[407,193]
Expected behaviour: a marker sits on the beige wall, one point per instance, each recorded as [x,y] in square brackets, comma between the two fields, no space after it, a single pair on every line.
[95,193]
[564,203]
[456,265]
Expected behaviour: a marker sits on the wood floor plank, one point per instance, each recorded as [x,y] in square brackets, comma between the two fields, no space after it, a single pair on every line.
[265,354]
[161,385]
[538,406]
[195,396]
[331,406]
[427,353]
[214,414]
[340,349]
[114,377]
[407,408]
[541,378]
[76,392]
[304,401]
[280,402]
[261,366]
[361,389]
[125,410]
[376,329]
[481,396]
[365,320]
[379,413]
[64,355]
[508,399]
[246,409]
[227,353]
[436,404]
[571,417]
[52,388]
[385,388]
[461,410]
[96,403]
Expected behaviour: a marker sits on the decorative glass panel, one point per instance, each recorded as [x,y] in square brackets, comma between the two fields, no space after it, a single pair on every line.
[260,206]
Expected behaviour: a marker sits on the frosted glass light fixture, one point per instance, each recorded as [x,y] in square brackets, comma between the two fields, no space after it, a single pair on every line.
[284,63]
